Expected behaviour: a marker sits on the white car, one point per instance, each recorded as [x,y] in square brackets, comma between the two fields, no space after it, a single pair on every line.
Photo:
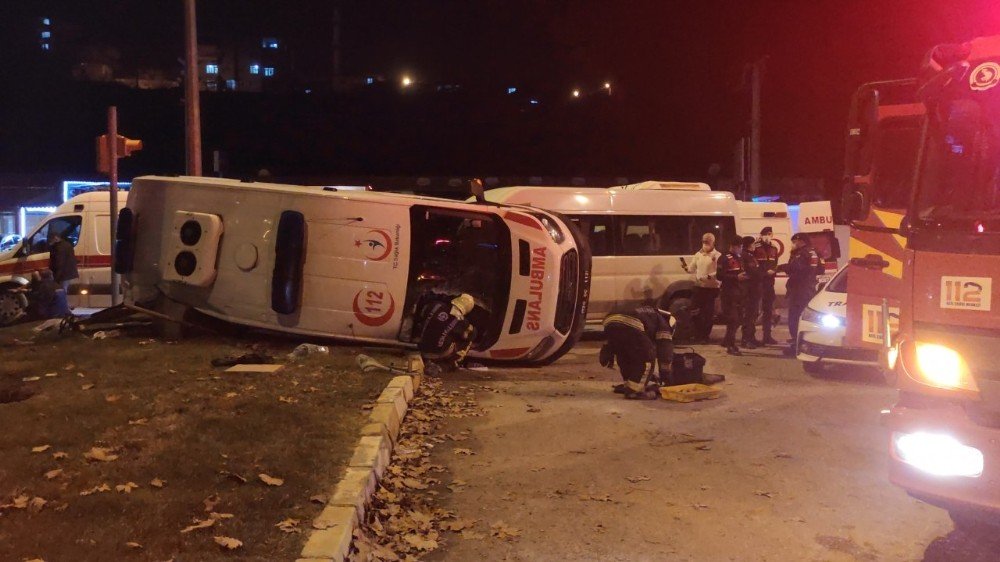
[822,330]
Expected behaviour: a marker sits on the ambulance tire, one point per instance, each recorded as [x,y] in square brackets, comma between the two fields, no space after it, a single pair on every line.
[12,307]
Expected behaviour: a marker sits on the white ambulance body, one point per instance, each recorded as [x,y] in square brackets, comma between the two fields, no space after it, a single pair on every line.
[815,218]
[637,235]
[355,265]
[754,216]
[84,220]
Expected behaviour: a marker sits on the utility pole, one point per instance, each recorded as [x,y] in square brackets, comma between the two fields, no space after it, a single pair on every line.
[192,105]
[113,192]
[756,77]
[336,45]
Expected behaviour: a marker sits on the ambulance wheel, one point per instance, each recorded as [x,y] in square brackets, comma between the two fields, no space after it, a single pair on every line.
[12,306]
[680,309]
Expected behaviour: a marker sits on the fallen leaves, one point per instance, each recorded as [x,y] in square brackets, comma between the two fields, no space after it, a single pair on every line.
[102,454]
[60,455]
[461,451]
[53,474]
[199,524]
[36,504]
[591,497]
[637,479]
[502,531]
[140,421]
[270,480]
[157,483]
[87,386]
[112,398]
[287,400]
[289,526]
[41,448]
[126,488]
[210,502]
[228,543]
[319,498]
[96,490]
[458,525]
[134,545]
[420,542]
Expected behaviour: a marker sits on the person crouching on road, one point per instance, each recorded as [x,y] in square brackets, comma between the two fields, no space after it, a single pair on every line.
[732,275]
[766,253]
[643,336]
[704,265]
[804,264]
[446,336]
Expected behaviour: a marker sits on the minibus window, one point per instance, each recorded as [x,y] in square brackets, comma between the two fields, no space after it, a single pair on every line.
[598,231]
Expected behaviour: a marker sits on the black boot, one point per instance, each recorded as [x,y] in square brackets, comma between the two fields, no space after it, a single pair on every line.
[733,350]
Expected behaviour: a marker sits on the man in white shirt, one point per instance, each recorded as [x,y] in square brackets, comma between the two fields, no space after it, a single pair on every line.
[703,265]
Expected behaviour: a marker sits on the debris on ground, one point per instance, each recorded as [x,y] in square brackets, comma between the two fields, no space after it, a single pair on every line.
[246,358]
[105,334]
[307,349]
[404,520]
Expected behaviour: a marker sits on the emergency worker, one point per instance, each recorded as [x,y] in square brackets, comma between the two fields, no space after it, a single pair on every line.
[804,264]
[766,253]
[640,337]
[446,335]
[704,266]
[751,294]
[732,275]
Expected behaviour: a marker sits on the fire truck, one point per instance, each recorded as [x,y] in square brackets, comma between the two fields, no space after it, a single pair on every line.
[923,195]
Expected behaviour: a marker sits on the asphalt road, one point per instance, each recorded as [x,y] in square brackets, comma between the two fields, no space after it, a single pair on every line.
[785,466]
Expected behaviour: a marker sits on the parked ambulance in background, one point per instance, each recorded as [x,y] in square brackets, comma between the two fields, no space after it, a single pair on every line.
[754,216]
[85,221]
[815,219]
[637,234]
[355,265]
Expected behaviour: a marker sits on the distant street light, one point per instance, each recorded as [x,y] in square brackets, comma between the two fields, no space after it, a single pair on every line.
[607,85]
[576,93]
[407,81]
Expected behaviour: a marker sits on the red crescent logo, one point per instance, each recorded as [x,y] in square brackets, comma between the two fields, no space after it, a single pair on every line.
[373,320]
[781,246]
[373,243]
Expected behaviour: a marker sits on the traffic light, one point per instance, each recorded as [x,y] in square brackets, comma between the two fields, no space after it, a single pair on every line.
[124,147]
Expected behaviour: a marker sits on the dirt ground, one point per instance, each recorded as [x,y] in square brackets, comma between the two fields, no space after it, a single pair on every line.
[177,442]
[785,466]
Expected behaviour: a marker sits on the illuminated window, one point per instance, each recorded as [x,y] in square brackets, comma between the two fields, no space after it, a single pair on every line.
[46,34]
[254,69]
[268,71]
[211,69]
[45,46]
[369,80]
[269,43]
[46,21]
[230,84]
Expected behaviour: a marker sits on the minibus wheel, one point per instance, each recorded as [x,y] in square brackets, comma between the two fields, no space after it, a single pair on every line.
[12,306]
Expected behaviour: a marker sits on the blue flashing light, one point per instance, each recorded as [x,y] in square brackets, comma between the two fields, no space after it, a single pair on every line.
[511,90]
[533,102]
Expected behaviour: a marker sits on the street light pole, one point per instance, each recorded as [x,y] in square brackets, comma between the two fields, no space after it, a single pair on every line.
[192,107]
[113,195]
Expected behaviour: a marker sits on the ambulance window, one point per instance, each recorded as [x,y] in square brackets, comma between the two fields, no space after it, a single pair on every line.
[68,227]
[103,225]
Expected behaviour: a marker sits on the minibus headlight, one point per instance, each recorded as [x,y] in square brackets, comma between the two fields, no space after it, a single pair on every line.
[937,365]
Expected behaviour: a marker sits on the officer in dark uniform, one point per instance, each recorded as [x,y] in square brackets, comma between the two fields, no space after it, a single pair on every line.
[804,264]
[446,335]
[732,275]
[766,253]
[751,294]
[642,336]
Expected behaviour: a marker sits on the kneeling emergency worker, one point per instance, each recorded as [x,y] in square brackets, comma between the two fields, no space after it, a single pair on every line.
[446,335]
[643,336]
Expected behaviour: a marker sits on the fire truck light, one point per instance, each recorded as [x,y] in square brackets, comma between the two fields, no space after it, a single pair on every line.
[942,366]
[938,455]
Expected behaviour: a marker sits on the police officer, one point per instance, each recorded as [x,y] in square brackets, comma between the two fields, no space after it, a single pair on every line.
[802,267]
[644,335]
[732,275]
[751,294]
[446,335]
[766,253]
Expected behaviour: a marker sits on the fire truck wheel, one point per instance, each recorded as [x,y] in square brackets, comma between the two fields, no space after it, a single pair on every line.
[12,306]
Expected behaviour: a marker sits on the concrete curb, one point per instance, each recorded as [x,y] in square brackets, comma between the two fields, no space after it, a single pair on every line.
[333,530]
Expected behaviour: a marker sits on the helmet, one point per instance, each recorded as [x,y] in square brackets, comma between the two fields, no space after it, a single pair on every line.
[464,303]
[671,321]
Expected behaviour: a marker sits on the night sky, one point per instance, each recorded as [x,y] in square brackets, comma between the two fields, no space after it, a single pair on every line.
[677,66]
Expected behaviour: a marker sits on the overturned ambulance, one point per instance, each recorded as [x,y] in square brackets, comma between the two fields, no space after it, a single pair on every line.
[355,265]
